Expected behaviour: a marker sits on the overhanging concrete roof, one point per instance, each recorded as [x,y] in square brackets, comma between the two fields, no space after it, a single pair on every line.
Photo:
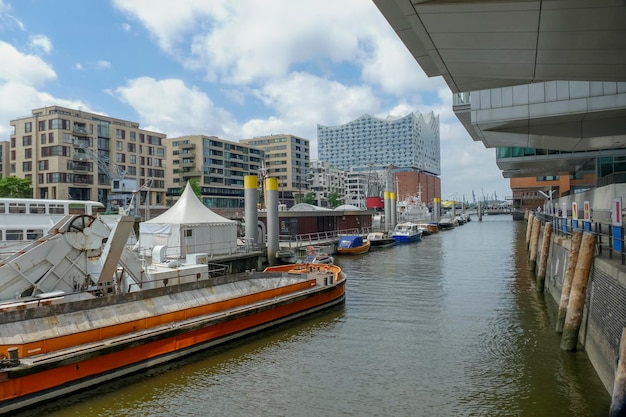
[488,44]
[476,45]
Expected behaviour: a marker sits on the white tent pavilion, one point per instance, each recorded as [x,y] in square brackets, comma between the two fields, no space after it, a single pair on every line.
[189,227]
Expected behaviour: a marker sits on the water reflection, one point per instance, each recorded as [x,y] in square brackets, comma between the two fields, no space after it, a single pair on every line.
[450,326]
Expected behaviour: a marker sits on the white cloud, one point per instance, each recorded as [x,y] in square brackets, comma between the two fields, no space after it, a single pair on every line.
[103,64]
[169,106]
[7,20]
[301,101]
[18,100]
[22,68]
[78,66]
[126,27]
[41,42]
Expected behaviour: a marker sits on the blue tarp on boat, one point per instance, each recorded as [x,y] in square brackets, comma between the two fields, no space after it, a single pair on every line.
[348,242]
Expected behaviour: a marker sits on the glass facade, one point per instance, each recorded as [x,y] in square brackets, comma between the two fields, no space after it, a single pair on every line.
[410,142]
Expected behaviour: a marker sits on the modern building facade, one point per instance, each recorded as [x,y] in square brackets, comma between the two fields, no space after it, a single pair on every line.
[541,82]
[287,158]
[217,165]
[73,154]
[410,142]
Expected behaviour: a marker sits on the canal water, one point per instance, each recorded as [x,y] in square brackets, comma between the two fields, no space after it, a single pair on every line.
[449,326]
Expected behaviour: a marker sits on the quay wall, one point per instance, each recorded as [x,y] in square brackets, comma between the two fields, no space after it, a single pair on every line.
[604,314]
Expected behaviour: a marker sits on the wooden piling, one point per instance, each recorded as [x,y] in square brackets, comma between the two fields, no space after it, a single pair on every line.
[545,251]
[618,399]
[574,315]
[529,228]
[568,277]
[534,243]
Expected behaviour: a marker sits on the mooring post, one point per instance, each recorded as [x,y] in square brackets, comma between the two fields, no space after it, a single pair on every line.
[574,315]
[618,399]
[529,228]
[534,243]
[577,235]
[545,251]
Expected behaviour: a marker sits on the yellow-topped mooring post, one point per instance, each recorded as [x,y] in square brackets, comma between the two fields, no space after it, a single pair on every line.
[273,243]
[577,236]
[545,252]
[534,243]
[251,200]
[618,399]
[576,304]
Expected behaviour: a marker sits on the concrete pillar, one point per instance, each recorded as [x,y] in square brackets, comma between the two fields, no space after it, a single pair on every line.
[577,236]
[618,399]
[393,201]
[480,211]
[251,201]
[436,209]
[273,245]
[387,205]
[529,228]
[574,315]
[534,244]
[545,251]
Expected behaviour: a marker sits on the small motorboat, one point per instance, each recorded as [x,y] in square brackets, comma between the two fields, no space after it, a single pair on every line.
[380,239]
[407,232]
[353,245]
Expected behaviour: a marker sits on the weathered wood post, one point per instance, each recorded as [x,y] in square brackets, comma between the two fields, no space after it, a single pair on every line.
[534,243]
[574,315]
[568,277]
[545,251]
[618,399]
[529,228]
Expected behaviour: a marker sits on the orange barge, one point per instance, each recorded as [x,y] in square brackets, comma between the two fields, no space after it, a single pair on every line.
[78,322]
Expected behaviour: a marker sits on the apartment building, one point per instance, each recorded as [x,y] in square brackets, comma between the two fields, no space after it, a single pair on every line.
[217,165]
[73,154]
[4,159]
[324,179]
[287,159]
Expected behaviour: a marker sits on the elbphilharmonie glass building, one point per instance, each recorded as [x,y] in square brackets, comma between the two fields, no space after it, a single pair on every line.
[410,142]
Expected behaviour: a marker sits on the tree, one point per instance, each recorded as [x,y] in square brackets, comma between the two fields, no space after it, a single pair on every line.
[15,187]
[333,199]
[309,198]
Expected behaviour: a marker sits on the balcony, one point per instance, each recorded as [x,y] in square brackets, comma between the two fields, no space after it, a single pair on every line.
[187,164]
[187,146]
[191,173]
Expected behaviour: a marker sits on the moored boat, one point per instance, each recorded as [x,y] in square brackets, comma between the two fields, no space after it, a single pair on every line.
[79,319]
[380,239]
[407,232]
[353,245]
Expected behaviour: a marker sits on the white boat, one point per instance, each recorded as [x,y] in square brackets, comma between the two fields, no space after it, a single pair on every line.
[407,232]
[412,208]
[23,220]
[380,239]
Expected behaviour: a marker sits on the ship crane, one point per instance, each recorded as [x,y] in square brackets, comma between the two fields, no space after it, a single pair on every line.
[122,188]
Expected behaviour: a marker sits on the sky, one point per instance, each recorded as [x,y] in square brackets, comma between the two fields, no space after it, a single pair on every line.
[231,69]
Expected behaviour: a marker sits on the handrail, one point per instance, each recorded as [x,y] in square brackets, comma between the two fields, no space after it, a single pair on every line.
[605,232]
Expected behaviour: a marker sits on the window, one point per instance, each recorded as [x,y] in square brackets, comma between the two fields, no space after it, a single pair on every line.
[119,145]
[44,138]
[120,133]
[42,125]
[42,165]
[27,140]
[51,137]
[130,147]
[28,127]
[28,153]
[133,136]
[27,166]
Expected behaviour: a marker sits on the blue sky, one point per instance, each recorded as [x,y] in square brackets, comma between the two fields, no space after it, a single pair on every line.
[233,69]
